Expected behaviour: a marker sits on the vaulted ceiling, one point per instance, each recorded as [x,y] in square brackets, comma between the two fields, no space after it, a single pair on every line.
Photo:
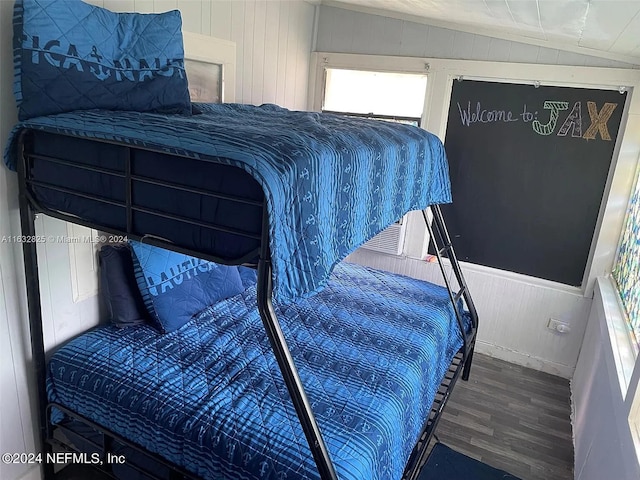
[609,28]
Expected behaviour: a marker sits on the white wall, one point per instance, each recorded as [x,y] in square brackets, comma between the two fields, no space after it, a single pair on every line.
[273,46]
[514,309]
[16,427]
[273,40]
[603,442]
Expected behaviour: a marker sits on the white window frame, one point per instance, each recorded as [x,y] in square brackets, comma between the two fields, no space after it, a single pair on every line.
[206,49]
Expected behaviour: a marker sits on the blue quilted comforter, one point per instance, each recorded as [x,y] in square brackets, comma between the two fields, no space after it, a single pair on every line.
[371,350]
[331,182]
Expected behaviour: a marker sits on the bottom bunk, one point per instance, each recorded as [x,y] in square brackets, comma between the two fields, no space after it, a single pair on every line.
[372,350]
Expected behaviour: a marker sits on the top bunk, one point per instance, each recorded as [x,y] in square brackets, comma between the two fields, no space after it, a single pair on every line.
[206,182]
[110,137]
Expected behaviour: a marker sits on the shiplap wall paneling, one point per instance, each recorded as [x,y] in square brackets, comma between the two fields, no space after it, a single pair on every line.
[260,49]
[290,73]
[140,6]
[116,5]
[283,45]
[247,60]
[271,52]
[191,15]
[273,41]
[166,5]
[221,21]
[16,424]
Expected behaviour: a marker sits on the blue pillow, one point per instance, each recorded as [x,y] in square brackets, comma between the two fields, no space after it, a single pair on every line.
[69,55]
[248,275]
[118,286]
[175,287]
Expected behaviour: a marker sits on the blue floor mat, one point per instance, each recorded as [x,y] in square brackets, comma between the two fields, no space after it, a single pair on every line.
[447,464]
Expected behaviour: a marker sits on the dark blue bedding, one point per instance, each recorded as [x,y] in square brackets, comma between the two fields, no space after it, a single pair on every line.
[371,349]
[69,55]
[331,182]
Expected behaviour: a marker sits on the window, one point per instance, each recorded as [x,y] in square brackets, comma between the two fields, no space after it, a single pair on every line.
[382,95]
[626,272]
[395,97]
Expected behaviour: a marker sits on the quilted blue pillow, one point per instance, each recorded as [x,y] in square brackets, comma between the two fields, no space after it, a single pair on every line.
[175,286]
[69,55]
[249,276]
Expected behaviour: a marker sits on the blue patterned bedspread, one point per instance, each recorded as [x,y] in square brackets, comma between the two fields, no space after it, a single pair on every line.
[331,182]
[371,349]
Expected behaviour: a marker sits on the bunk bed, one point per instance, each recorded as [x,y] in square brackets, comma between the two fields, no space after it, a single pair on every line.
[69,170]
[317,369]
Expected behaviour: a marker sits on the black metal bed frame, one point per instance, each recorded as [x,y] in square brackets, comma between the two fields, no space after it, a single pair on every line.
[30,206]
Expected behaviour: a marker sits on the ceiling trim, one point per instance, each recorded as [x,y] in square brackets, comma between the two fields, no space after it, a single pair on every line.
[630,59]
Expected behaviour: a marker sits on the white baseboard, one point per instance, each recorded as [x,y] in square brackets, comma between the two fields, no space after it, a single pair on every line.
[495,351]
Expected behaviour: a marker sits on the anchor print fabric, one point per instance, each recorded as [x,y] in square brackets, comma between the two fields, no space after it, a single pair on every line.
[331,183]
[371,349]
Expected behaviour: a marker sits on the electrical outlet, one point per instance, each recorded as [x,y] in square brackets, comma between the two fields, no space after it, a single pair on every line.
[558,326]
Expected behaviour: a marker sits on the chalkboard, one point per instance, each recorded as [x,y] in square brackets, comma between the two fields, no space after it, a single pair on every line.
[528,170]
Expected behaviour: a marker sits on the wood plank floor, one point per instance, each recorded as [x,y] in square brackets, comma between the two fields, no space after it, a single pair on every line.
[513,418]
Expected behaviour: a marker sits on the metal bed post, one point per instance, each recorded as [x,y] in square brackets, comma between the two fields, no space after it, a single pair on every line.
[29,252]
[447,248]
[285,360]
[443,245]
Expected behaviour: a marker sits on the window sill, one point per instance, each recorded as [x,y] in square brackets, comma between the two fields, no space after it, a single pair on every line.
[624,350]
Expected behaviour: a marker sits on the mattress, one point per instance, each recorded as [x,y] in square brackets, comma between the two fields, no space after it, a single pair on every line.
[330,182]
[371,350]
